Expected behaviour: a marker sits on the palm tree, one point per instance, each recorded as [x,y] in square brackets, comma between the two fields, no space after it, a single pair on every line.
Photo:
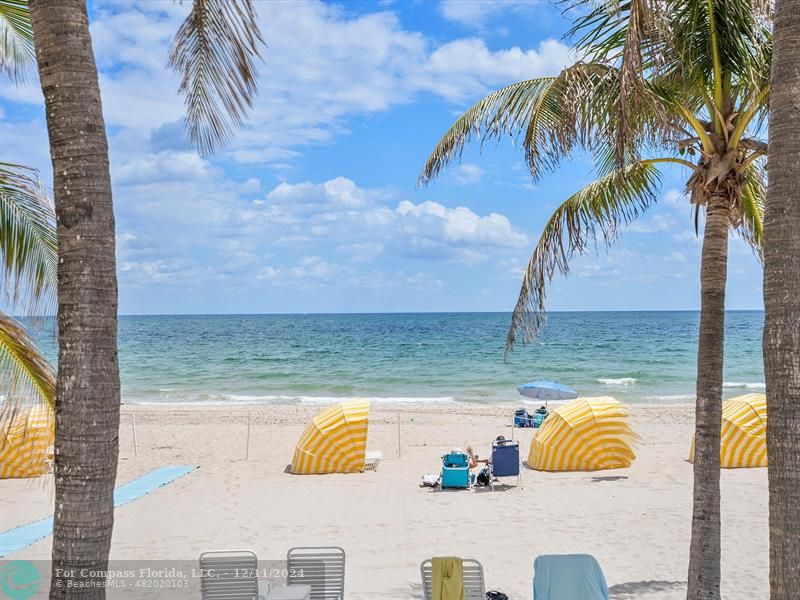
[782,308]
[27,246]
[678,82]
[214,51]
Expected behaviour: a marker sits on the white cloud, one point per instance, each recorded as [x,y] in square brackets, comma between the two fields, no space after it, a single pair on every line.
[463,69]
[164,166]
[468,174]
[654,224]
[674,197]
[676,256]
[309,270]
[430,227]
[475,13]
[323,65]
[210,230]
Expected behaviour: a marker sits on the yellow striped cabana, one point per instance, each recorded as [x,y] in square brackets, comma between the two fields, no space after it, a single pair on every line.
[586,434]
[743,438]
[25,440]
[335,441]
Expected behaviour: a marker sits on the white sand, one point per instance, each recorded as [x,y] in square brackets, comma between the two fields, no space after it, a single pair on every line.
[634,521]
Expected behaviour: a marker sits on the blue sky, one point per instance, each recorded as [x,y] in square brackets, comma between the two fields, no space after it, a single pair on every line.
[314,207]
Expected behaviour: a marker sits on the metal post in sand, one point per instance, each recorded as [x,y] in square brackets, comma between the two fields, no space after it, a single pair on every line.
[399,450]
[135,444]
[247,447]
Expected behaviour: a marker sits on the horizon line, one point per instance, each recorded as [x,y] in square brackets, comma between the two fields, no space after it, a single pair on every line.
[418,312]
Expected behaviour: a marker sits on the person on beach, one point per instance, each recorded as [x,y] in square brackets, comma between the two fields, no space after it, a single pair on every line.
[474,461]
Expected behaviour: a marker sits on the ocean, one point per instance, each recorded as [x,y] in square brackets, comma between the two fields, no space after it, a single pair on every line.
[419,357]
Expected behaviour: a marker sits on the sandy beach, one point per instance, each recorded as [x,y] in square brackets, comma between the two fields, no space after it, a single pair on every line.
[634,521]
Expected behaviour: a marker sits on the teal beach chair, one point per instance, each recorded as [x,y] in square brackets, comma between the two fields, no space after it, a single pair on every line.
[455,471]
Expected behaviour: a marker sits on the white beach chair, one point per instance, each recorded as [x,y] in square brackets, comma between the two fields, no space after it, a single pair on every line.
[372,459]
[320,567]
[229,574]
[472,574]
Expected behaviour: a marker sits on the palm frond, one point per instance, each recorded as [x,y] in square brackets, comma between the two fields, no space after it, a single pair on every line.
[24,372]
[214,51]
[16,39]
[26,379]
[594,214]
[28,245]
[508,110]
[554,114]
[751,206]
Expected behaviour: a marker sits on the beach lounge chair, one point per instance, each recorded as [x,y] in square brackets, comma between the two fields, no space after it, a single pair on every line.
[229,574]
[455,470]
[505,460]
[568,576]
[472,574]
[320,567]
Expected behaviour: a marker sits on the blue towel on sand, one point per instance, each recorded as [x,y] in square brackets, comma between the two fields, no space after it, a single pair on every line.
[568,577]
[19,537]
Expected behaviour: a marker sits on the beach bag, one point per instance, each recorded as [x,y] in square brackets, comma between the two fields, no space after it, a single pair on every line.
[484,477]
[430,480]
[495,595]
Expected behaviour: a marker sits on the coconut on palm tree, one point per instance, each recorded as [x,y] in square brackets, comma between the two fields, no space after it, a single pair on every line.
[679,82]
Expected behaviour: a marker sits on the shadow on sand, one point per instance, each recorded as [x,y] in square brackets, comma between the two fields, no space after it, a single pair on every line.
[634,589]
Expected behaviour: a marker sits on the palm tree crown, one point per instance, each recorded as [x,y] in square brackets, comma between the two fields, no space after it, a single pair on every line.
[680,81]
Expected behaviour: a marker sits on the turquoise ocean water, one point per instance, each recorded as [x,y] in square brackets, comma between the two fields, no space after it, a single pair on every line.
[634,356]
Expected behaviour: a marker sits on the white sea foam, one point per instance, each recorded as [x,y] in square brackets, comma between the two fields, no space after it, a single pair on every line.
[620,381]
[539,402]
[384,399]
[744,384]
[247,400]
[671,398]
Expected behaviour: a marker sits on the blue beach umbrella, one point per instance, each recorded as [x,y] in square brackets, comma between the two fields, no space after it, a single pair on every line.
[547,390]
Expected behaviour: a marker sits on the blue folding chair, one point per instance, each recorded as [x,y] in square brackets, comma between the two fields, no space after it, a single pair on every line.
[455,470]
[567,577]
[505,460]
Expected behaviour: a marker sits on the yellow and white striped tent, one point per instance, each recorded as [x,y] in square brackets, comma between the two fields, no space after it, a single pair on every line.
[586,434]
[335,441]
[25,441]
[743,438]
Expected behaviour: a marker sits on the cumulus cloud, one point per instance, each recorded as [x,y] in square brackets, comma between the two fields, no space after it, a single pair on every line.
[675,197]
[431,229]
[462,69]
[468,174]
[308,270]
[323,65]
[163,166]
[654,224]
[475,13]
[292,232]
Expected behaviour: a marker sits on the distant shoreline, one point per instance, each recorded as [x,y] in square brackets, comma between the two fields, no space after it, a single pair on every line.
[424,312]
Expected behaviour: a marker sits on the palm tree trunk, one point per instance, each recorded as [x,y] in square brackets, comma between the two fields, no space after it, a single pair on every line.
[782,305]
[704,551]
[87,389]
